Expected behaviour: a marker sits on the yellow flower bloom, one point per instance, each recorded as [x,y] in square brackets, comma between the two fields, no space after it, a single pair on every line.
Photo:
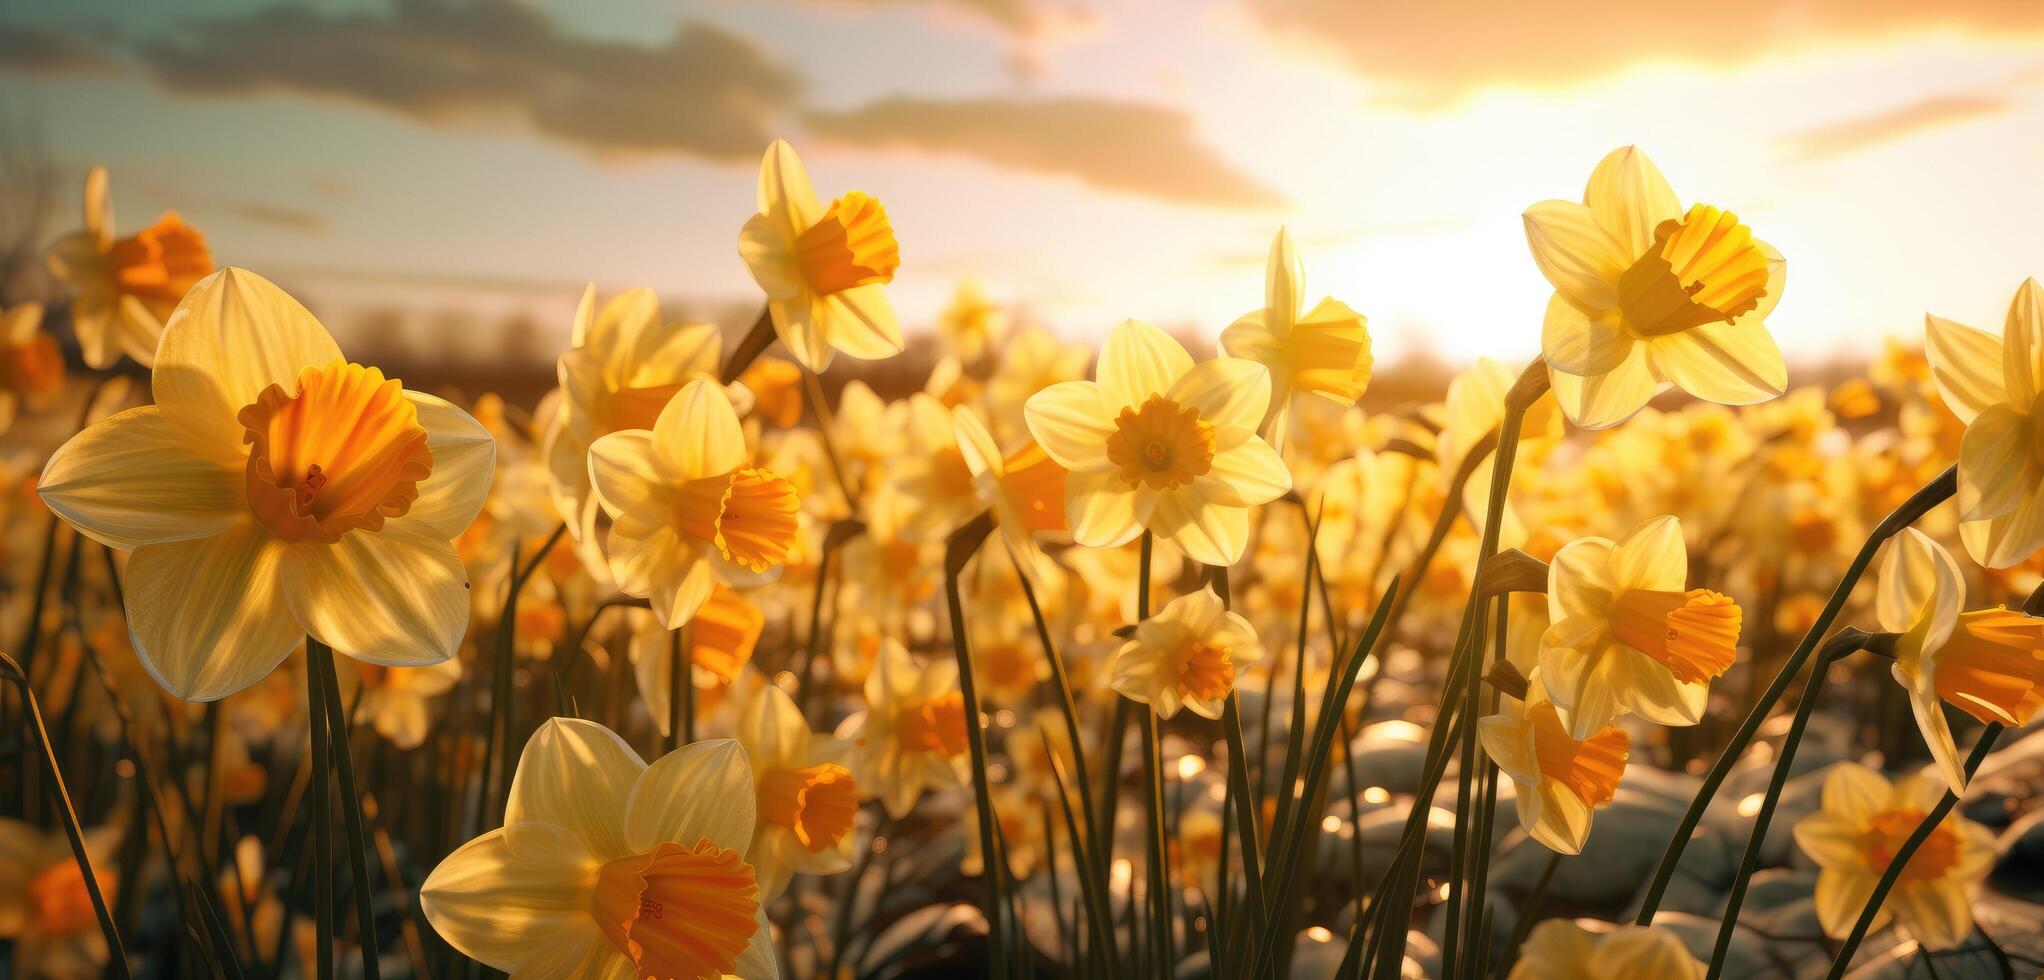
[276,489]
[721,637]
[1628,635]
[393,700]
[31,364]
[608,867]
[1160,443]
[124,289]
[1559,781]
[912,734]
[808,800]
[44,907]
[1032,361]
[823,269]
[1988,663]
[1324,350]
[1853,837]
[1025,489]
[625,365]
[1994,385]
[1188,654]
[685,508]
[931,473]
[1562,950]
[972,324]
[776,387]
[1647,294]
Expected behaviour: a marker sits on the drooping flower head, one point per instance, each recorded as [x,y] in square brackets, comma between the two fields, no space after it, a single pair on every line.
[276,489]
[1854,836]
[1324,350]
[1562,950]
[1158,442]
[823,269]
[1647,294]
[1187,655]
[123,289]
[608,867]
[1628,633]
[1988,663]
[1995,385]
[1560,780]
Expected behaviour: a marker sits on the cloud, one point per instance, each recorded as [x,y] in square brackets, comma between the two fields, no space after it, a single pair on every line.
[1901,122]
[1123,146]
[1433,52]
[1019,17]
[704,92]
[43,50]
[300,220]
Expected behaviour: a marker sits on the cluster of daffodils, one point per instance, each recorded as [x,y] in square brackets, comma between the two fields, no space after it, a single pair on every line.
[882,630]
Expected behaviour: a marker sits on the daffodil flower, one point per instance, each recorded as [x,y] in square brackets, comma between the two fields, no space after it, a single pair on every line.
[1562,950]
[1558,780]
[623,367]
[1188,655]
[31,363]
[393,700]
[1158,442]
[721,637]
[1988,663]
[972,324]
[912,734]
[1861,823]
[125,288]
[808,800]
[276,490]
[1025,489]
[823,269]
[1324,350]
[685,508]
[45,911]
[1995,385]
[1647,294]
[1628,635]
[609,868]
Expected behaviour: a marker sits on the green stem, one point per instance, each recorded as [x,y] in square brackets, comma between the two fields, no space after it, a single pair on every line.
[1932,494]
[1160,874]
[1528,910]
[964,543]
[320,657]
[322,820]
[1900,861]
[679,663]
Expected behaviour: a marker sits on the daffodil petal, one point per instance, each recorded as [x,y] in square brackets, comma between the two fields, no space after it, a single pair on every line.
[1071,420]
[1564,821]
[1138,361]
[578,775]
[127,481]
[1727,363]
[1841,896]
[581,951]
[785,194]
[1208,531]
[1640,951]
[464,459]
[1936,912]
[1997,467]
[1649,689]
[398,597]
[232,336]
[1581,683]
[1101,508]
[1854,792]
[758,960]
[1937,733]
[205,616]
[1601,401]
[696,435]
[504,905]
[1629,198]
[796,322]
[1831,839]
[2022,337]
[1582,343]
[772,729]
[653,561]
[703,789]
[626,471]
[1966,366]
[1580,582]
[1579,258]
[1250,473]
[1230,393]
[1652,556]
[860,321]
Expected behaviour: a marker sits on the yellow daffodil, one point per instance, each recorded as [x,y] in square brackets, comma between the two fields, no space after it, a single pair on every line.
[31,364]
[1646,294]
[1324,350]
[1020,820]
[393,700]
[1158,442]
[1628,635]
[44,907]
[1854,836]
[1562,950]
[1188,654]
[776,387]
[932,472]
[1994,385]
[1988,663]
[808,800]
[912,734]
[721,637]
[607,867]
[623,367]
[1025,489]
[1558,780]
[823,269]
[1032,361]
[972,324]
[685,508]
[124,289]
[275,490]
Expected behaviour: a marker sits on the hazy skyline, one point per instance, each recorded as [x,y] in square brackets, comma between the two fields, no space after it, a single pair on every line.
[1089,162]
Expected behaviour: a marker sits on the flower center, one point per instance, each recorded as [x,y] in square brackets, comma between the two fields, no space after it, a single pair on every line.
[676,911]
[1993,666]
[1887,830]
[818,803]
[852,245]
[749,514]
[1036,486]
[723,634]
[1694,634]
[1161,445]
[936,725]
[1205,672]
[343,453]
[1590,768]
[58,902]
[161,262]
[1703,268]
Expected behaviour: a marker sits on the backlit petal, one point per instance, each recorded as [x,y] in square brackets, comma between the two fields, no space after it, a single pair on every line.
[1230,393]
[1966,365]
[1250,473]
[1652,556]
[205,615]
[697,434]
[398,597]
[1580,580]
[1727,363]
[1603,400]
[1841,896]
[579,775]
[1101,508]
[653,561]
[232,336]
[1138,361]
[2009,539]
[464,459]
[785,194]
[1997,464]
[1582,343]
[703,789]
[860,321]
[1071,421]
[1936,912]
[1630,198]
[2022,338]
[626,471]
[503,904]
[1831,839]
[1579,258]
[1209,532]
[127,481]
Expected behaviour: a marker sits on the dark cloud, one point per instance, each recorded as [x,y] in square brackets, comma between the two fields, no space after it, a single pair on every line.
[1901,122]
[1122,146]
[1430,52]
[43,50]
[704,92]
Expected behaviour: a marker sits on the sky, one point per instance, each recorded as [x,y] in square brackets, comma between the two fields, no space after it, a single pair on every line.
[470,160]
